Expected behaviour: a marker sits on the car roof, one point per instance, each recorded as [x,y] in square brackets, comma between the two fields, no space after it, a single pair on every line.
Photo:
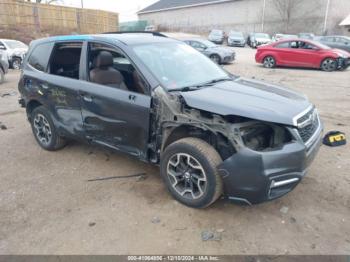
[126,38]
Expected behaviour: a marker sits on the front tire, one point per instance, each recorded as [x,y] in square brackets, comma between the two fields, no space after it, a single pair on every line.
[16,63]
[189,170]
[269,62]
[44,130]
[329,65]
[216,59]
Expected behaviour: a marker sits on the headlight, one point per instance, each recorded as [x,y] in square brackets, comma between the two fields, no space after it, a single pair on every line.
[263,136]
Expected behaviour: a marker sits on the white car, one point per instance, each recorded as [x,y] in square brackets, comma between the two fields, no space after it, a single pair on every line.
[15,51]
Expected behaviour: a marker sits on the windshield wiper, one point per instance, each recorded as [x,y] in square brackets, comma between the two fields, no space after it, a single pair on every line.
[198,86]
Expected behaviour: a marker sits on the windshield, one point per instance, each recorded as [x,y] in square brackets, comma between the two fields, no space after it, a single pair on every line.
[236,34]
[262,36]
[320,45]
[216,32]
[178,65]
[12,44]
[207,43]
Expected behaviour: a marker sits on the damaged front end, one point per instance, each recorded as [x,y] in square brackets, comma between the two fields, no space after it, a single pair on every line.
[261,160]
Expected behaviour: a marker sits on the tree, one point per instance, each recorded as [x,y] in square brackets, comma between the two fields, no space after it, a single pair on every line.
[286,9]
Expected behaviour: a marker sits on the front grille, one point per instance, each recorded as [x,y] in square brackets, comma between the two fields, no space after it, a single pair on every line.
[308,124]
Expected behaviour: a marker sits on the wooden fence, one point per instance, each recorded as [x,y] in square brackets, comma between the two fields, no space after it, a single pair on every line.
[55,19]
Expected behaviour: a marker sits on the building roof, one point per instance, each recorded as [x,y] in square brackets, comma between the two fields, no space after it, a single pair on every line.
[164,5]
[346,21]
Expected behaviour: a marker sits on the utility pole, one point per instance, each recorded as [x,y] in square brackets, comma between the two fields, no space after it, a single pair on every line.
[82,4]
[263,16]
[326,17]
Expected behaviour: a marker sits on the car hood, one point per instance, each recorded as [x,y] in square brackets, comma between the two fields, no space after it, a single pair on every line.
[340,51]
[249,98]
[18,51]
[263,40]
[220,49]
[236,38]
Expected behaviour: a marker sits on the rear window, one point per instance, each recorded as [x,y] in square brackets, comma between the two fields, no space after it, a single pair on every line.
[40,56]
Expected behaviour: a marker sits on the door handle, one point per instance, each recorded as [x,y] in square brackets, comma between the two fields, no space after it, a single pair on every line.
[87,98]
[132,97]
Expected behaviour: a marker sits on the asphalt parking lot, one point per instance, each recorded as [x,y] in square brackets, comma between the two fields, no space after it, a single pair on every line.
[47,205]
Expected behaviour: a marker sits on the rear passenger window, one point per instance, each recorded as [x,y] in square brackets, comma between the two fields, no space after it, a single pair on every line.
[40,56]
[283,45]
[65,60]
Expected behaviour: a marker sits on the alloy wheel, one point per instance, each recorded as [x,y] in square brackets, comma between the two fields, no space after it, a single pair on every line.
[187,176]
[215,59]
[329,65]
[269,62]
[42,129]
[16,64]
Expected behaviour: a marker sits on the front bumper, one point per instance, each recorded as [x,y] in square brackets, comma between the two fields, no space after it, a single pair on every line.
[236,43]
[253,177]
[343,63]
[229,58]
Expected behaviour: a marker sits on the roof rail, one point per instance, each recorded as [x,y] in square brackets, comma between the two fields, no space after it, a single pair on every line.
[137,32]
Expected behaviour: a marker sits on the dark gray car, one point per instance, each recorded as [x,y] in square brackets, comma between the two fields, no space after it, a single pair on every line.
[4,66]
[339,42]
[162,102]
[219,54]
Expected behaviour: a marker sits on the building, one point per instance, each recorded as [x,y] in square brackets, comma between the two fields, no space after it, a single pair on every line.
[346,23]
[271,16]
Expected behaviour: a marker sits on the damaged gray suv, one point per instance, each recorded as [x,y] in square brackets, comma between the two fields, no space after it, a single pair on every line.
[160,100]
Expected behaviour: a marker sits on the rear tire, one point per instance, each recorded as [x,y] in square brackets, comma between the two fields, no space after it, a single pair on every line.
[189,170]
[329,65]
[269,62]
[2,76]
[44,130]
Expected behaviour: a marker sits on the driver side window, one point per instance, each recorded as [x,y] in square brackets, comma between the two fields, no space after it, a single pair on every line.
[109,66]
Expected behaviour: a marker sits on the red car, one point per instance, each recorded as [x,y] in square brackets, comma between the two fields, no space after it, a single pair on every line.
[302,53]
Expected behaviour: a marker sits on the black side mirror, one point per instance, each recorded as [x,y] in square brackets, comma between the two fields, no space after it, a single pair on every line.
[2,47]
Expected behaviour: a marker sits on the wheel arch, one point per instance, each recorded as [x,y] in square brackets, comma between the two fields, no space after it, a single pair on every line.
[31,105]
[218,141]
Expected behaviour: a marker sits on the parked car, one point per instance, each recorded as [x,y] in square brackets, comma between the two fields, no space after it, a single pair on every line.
[159,100]
[150,28]
[15,50]
[217,36]
[256,39]
[236,39]
[309,36]
[302,53]
[220,55]
[278,37]
[4,65]
[340,42]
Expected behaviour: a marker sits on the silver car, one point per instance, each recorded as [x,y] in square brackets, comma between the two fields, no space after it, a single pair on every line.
[217,36]
[220,55]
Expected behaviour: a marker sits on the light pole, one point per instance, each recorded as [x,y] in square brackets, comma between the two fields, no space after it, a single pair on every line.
[82,4]
[263,16]
[326,17]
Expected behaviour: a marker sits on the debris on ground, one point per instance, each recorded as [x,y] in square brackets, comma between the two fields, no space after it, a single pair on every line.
[91,224]
[208,235]
[220,230]
[115,177]
[143,177]
[284,210]
[2,126]
[155,220]
[293,220]
[13,93]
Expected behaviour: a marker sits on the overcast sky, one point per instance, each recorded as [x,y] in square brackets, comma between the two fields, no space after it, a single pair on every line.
[126,8]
